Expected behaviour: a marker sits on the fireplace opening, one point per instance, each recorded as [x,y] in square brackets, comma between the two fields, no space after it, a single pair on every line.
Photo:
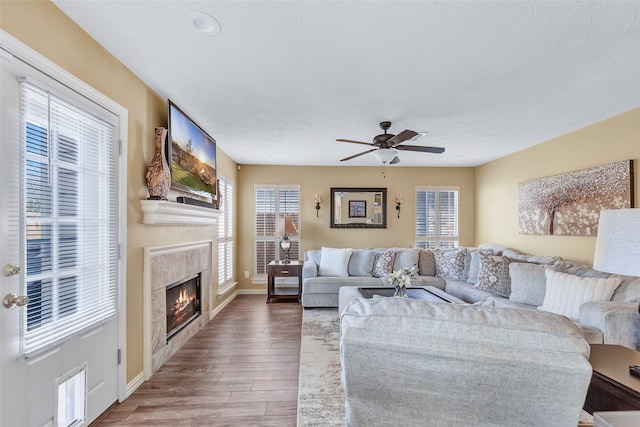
[183,305]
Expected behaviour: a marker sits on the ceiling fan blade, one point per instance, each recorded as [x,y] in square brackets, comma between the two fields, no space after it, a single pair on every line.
[395,160]
[358,155]
[353,142]
[401,137]
[423,149]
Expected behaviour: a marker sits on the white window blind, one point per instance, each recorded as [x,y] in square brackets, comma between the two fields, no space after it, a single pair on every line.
[70,216]
[273,202]
[437,217]
[225,232]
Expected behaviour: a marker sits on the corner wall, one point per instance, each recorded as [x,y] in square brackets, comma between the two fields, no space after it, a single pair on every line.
[43,27]
[613,139]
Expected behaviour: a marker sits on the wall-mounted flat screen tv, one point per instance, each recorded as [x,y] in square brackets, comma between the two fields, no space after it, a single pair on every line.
[192,155]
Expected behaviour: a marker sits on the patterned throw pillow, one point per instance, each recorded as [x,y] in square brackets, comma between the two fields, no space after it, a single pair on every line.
[493,274]
[383,264]
[450,263]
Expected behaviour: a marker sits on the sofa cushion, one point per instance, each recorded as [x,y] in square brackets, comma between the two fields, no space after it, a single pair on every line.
[361,262]
[450,263]
[332,285]
[628,291]
[405,258]
[538,259]
[578,269]
[466,292]
[426,263]
[383,264]
[565,293]
[528,283]
[335,262]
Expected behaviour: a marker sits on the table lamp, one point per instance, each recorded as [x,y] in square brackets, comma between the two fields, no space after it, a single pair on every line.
[618,242]
[286,228]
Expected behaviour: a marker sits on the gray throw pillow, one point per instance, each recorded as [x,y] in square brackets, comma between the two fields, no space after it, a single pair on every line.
[528,283]
[361,262]
[405,258]
[314,255]
[474,267]
[426,263]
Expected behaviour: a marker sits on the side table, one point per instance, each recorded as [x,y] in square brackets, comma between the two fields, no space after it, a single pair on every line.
[612,387]
[278,269]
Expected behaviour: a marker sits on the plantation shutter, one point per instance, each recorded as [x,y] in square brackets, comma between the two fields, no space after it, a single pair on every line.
[437,218]
[225,233]
[70,217]
[273,202]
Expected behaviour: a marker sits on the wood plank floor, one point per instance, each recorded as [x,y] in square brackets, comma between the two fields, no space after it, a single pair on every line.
[239,370]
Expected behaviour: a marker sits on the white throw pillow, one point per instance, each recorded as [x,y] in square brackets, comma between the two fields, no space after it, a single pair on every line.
[565,293]
[335,262]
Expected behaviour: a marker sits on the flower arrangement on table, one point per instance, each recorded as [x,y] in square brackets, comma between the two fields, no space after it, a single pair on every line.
[401,280]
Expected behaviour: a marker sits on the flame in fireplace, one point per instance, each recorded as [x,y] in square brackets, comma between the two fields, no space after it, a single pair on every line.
[183,305]
[182,302]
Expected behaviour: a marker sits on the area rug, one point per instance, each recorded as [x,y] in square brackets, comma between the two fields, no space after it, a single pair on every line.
[320,393]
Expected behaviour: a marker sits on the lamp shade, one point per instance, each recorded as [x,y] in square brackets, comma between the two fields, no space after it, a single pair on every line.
[618,242]
[385,155]
[286,227]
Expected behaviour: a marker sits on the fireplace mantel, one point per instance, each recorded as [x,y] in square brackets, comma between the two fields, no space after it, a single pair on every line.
[173,213]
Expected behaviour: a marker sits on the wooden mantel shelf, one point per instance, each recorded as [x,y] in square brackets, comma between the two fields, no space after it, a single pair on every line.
[163,212]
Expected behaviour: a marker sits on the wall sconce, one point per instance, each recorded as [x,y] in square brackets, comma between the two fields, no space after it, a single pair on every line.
[318,201]
[398,203]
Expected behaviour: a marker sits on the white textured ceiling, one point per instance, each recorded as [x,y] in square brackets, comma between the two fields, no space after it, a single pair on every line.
[283,80]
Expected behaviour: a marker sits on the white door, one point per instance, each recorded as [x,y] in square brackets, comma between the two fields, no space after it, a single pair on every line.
[59,248]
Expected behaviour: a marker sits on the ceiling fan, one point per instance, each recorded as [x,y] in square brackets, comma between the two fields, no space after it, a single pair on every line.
[386,145]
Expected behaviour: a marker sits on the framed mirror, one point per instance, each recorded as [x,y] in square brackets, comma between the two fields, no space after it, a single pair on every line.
[358,207]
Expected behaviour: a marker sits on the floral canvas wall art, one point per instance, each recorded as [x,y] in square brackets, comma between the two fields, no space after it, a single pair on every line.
[570,204]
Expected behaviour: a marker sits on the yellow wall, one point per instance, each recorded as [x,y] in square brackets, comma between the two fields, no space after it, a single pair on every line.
[614,139]
[44,28]
[315,232]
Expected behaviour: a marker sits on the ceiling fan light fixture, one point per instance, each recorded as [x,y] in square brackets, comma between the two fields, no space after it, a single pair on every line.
[385,155]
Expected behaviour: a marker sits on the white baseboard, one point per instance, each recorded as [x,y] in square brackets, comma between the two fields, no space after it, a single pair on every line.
[222,305]
[134,384]
[252,291]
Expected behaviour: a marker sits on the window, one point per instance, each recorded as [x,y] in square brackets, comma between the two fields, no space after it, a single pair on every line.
[437,217]
[272,203]
[70,217]
[225,233]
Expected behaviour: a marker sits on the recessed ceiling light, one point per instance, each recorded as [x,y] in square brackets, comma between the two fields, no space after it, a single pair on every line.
[203,23]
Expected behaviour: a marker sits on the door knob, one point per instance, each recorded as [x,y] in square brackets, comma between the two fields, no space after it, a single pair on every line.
[11,270]
[11,300]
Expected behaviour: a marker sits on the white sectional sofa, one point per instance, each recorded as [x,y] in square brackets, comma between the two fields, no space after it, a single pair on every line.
[494,275]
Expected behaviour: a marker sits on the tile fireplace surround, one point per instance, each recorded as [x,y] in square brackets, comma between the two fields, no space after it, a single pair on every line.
[164,265]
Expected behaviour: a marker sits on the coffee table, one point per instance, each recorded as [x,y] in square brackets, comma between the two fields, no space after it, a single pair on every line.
[428,293]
